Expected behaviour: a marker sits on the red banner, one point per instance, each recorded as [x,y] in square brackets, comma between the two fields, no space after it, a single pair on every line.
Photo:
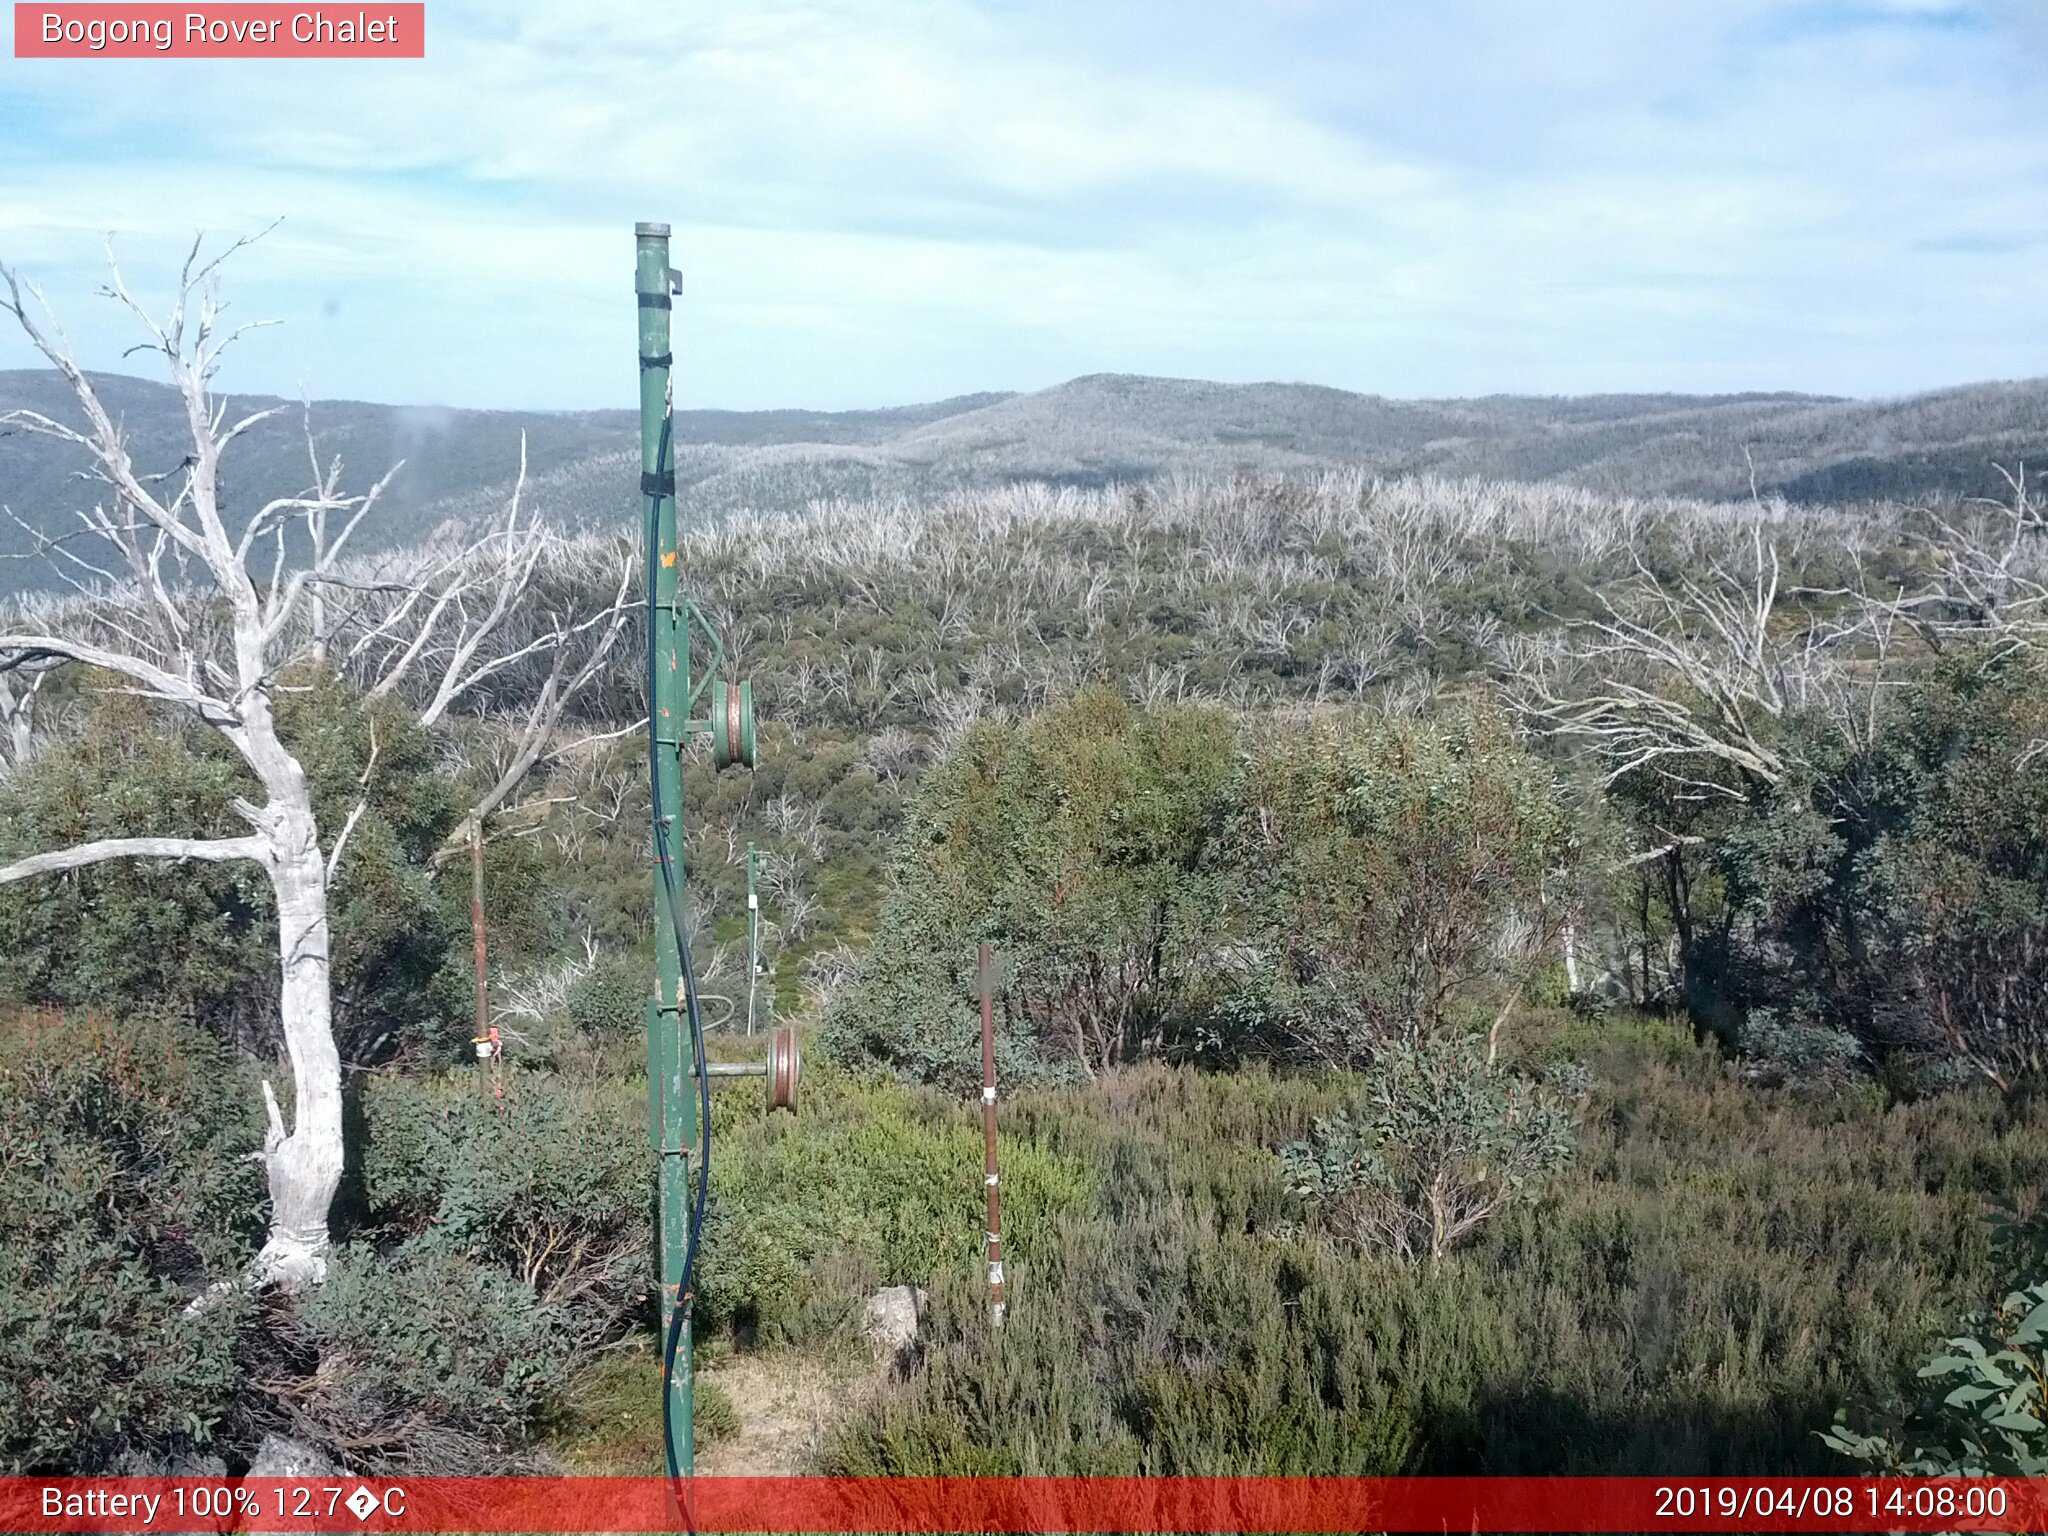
[1176,1504]
[240,31]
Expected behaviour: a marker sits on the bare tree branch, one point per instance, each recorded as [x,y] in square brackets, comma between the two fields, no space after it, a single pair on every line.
[362,802]
[1673,676]
[213,849]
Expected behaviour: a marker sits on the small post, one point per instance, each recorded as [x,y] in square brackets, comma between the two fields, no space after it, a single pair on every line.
[476,930]
[993,1239]
[488,1045]
[753,936]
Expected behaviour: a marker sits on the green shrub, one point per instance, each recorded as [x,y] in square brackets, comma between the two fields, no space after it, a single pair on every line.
[1163,1331]
[124,1190]
[1783,1049]
[1379,869]
[1152,1349]
[1596,1037]
[1951,872]
[610,1001]
[550,1184]
[1439,1140]
[199,939]
[1077,844]
[1989,1414]
[186,937]
[1152,893]
[429,1362]
[1894,888]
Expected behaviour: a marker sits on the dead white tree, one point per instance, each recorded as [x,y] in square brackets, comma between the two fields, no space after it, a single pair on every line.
[1688,685]
[18,697]
[1673,678]
[1988,569]
[160,533]
[186,608]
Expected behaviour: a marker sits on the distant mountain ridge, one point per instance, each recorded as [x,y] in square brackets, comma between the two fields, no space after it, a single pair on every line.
[1093,430]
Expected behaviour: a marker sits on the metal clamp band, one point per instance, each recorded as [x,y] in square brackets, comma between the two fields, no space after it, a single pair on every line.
[659,360]
[656,301]
[663,484]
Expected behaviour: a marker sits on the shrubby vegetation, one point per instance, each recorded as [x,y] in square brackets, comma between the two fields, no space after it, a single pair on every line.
[873,1184]
[1160,882]
[1311,910]
[122,1189]
[1716,1271]
[540,1176]
[200,939]
[422,1361]
[1985,1417]
[1878,901]
[1084,845]
[1396,878]
[1440,1139]
[1902,894]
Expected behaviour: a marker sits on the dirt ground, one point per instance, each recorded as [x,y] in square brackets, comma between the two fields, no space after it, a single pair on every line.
[786,1401]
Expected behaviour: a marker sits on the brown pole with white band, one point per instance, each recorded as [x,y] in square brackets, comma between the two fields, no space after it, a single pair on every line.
[993,1239]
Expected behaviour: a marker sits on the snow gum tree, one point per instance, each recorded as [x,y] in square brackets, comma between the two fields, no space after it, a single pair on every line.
[203,608]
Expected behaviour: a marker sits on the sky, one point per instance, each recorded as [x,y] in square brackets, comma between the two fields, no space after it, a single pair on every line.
[895,201]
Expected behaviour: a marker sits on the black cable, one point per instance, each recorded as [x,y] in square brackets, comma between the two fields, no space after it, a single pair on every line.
[664,859]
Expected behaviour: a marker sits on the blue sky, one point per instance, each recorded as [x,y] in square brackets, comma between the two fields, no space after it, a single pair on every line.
[884,202]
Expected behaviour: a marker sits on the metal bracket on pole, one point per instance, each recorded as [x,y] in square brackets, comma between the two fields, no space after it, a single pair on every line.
[784,1069]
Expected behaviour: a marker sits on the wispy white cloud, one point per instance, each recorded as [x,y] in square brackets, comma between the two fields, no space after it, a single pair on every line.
[883,200]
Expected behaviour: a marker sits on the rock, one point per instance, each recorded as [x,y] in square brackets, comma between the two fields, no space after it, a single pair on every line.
[893,1314]
[132,1463]
[282,1456]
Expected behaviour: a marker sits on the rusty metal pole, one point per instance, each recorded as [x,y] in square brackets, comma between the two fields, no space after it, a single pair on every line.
[993,1239]
[487,1044]
[476,931]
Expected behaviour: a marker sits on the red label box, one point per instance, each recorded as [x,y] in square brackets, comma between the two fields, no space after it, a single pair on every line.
[238,31]
[387,1506]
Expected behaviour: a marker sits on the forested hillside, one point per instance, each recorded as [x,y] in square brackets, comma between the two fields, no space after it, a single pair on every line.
[1091,432]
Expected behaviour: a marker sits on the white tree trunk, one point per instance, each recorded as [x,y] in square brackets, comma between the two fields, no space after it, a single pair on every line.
[17,714]
[304,1164]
